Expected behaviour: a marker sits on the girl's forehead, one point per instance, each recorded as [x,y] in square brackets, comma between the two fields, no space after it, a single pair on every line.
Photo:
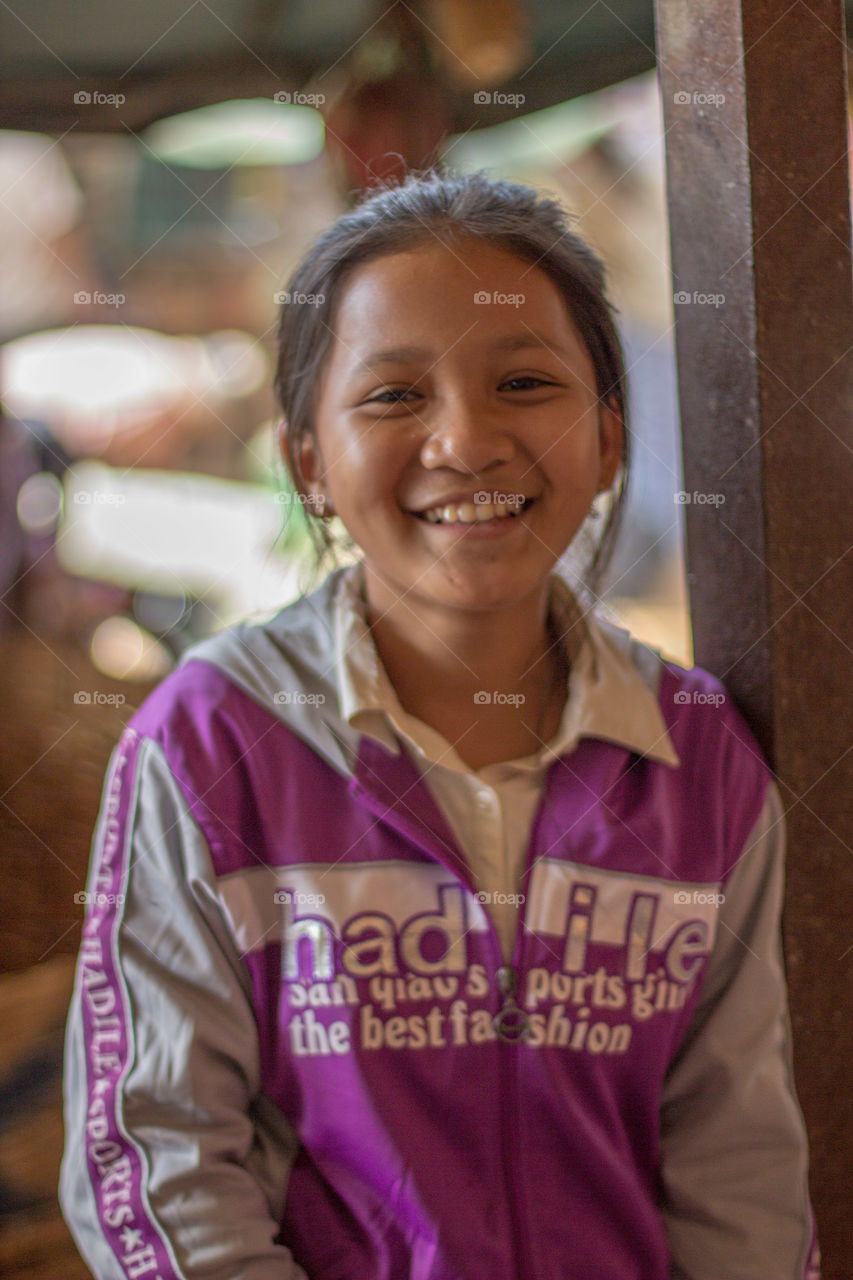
[465,259]
[453,285]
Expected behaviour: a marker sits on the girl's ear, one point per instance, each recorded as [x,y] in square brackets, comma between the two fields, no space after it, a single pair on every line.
[611,439]
[306,457]
[311,472]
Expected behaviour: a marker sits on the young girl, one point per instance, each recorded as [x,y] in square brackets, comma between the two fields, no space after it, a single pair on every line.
[434,924]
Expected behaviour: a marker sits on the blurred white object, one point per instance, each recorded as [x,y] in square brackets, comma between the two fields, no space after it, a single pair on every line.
[244,131]
[176,533]
[87,382]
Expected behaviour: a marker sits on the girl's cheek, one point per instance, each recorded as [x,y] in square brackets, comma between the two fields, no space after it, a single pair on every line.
[362,478]
[385,448]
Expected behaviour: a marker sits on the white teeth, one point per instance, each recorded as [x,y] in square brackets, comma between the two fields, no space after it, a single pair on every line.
[471,513]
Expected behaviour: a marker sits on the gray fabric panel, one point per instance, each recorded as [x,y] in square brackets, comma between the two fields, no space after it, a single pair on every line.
[293,651]
[218,1153]
[734,1145]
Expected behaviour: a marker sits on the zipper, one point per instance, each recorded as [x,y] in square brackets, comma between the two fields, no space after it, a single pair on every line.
[507,978]
[510,1022]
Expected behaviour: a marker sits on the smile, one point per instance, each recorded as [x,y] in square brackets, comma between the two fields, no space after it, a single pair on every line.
[473,512]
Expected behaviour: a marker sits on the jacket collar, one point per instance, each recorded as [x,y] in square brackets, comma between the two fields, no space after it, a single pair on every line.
[608,696]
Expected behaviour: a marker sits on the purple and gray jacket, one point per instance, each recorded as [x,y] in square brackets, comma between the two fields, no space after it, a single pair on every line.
[294,1049]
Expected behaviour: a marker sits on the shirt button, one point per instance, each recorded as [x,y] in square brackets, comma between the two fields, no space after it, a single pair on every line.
[485,800]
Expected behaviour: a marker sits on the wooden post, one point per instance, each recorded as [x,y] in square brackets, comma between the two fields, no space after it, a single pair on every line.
[754,98]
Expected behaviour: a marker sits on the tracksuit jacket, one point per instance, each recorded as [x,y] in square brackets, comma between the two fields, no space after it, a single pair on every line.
[295,1050]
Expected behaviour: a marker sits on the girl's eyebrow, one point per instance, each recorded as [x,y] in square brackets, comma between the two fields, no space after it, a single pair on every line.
[394,355]
[511,342]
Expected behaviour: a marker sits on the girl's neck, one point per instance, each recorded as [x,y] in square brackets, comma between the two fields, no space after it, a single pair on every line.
[492,682]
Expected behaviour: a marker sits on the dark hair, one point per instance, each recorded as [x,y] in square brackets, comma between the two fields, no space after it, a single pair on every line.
[394,218]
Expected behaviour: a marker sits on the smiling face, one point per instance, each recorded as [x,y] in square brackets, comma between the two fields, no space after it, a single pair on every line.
[436,409]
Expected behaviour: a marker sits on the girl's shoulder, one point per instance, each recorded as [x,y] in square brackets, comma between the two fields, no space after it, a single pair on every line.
[240,681]
[658,671]
[707,728]
[723,775]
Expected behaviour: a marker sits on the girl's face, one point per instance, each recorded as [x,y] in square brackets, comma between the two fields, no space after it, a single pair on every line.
[458,380]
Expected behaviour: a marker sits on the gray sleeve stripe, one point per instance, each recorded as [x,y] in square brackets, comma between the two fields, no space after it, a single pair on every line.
[117,1165]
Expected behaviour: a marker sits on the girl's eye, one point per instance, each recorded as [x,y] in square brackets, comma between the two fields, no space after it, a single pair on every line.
[524,382]
[530,379]
[395,393]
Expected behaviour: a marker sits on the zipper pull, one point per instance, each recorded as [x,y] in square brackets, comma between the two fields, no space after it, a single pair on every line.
[510,1022]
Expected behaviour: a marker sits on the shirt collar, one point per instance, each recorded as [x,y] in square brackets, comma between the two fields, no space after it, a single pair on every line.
[608,698]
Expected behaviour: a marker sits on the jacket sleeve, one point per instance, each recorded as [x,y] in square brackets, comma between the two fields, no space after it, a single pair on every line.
[734,1149]
[175,1163]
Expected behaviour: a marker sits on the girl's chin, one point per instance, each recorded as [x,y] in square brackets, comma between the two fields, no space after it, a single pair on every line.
[480,587]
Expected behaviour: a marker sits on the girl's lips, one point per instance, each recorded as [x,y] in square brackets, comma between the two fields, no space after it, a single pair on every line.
[497,527]
[478,509]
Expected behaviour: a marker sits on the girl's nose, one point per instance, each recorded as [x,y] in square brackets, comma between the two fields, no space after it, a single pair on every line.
[466,436]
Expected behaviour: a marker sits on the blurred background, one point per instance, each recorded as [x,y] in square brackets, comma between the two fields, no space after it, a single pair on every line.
[155,191]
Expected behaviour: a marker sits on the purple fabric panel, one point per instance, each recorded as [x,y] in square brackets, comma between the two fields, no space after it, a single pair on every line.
[260,795]
[422,1138]
[115,1163]
[227,753]
[607,807]
[593,1119]
[394,790]
[726,775]
[388,1154]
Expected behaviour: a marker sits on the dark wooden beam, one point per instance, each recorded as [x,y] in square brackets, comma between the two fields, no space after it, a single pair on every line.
[110,102]
[122,104]
[755,116]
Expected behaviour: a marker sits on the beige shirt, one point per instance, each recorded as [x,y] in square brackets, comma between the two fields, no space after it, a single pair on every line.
[490,810]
